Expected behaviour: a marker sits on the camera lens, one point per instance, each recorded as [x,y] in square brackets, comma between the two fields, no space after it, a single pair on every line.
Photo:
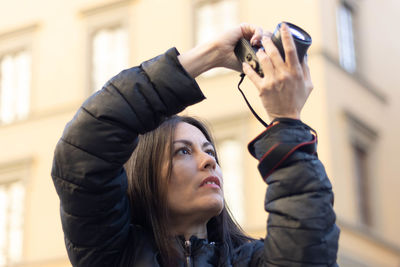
[297,34]
[301,39]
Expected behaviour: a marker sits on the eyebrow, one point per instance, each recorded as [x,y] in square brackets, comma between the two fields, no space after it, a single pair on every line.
[189,143]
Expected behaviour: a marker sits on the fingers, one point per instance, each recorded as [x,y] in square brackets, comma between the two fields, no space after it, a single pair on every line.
[256,38]
[266,63]
[306,73]
[252,33]
[247,30]
[289,46]
[270,59]
[272,52]
[286,85]
[304,66]
[253,76]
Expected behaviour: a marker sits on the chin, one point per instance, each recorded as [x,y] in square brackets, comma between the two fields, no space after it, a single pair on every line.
[215,205]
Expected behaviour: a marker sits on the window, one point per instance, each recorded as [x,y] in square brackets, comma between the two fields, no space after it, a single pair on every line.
[360,156]
[12,205]
[11,222]
[231,140]
[12,199]
[230,152]
[212,18]
[15,79]
[109,54]
[345,29]
[107,40]
[362,143]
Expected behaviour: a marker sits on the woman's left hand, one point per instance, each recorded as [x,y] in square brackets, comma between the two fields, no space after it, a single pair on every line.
[219,52]
[226,42]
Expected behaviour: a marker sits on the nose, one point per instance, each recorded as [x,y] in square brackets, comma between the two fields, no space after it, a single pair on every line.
[207,161]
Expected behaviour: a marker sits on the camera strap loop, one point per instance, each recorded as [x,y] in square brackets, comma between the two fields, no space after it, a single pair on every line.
[242,75]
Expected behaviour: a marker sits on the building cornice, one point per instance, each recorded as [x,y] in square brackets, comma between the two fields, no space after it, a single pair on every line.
[44,114]
[26,29]
[88,11]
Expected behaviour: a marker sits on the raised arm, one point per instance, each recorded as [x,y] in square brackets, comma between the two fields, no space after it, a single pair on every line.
[301,229]
[88,162]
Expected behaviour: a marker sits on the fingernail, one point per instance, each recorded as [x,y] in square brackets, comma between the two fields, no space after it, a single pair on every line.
[255,42]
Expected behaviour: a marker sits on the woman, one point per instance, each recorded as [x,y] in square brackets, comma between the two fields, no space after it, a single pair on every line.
[166,207]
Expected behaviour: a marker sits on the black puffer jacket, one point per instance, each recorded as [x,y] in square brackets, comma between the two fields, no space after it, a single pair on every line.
[90,180]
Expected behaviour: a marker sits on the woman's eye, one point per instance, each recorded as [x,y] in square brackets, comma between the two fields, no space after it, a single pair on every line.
[182,151]
[211,152]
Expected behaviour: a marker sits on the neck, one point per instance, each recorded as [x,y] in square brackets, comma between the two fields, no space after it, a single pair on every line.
[186,229]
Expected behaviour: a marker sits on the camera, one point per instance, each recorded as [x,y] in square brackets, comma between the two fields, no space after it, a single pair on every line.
[247,53]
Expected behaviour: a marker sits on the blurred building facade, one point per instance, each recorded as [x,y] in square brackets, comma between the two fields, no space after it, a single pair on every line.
[54,54]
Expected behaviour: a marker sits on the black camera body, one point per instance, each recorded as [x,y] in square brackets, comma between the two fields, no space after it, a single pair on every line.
[247,53]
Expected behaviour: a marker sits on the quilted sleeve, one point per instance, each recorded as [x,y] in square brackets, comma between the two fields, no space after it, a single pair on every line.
[301,229]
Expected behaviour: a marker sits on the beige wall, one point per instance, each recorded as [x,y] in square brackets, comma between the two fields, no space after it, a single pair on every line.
[58,33]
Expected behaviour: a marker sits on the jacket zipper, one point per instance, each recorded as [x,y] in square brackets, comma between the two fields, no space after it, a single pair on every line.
[188,253]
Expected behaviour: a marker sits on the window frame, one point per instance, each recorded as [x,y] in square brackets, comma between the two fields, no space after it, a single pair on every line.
[362,137]
[234,128]
[12,43]
[112,27]
[351,6]
[15,172]
[107,16]
[198,4]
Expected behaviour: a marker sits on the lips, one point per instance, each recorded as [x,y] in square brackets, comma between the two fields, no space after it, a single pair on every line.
[211,180]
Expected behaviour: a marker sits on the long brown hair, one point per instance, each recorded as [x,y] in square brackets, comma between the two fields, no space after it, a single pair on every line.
[148,192]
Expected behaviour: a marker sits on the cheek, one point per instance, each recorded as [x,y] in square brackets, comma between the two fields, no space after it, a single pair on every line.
[183,173]
[179,185]
[219,173]
[179,197]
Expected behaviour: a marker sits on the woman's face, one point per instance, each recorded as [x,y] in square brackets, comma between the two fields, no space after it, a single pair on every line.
[195,188]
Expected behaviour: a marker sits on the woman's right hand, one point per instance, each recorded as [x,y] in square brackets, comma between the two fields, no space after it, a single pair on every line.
[219,52]
[287,84]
